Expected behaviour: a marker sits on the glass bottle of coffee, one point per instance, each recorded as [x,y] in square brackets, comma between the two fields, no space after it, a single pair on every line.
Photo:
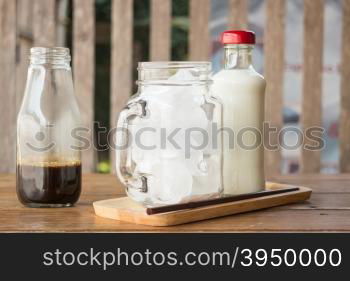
[48,156]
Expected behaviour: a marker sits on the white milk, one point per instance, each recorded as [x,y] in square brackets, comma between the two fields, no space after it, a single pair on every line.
[242,92]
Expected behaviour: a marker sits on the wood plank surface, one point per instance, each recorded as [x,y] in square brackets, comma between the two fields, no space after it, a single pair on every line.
[311,114]
[160,49]
[273,72]
[327,210]
[344,127]
[44,21]
[199,35]
[238,14]
[84,71]
[121,72]
[24,43]
[8,85]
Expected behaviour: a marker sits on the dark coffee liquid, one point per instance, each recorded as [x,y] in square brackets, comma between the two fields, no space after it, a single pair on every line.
[49,184]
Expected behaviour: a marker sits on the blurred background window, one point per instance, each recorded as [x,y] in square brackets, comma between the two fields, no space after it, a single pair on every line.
[218,22]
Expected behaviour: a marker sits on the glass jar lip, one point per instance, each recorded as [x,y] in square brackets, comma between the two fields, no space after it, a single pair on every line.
[205,65]
[50,53]
[49,50]
[161,72]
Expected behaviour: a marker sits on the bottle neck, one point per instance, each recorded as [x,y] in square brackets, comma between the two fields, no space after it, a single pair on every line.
[238,56]
[56,57]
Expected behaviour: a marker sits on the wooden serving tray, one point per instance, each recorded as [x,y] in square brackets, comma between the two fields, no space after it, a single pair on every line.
[124,209]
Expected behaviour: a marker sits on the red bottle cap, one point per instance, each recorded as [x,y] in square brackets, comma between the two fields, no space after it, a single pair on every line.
[238,37]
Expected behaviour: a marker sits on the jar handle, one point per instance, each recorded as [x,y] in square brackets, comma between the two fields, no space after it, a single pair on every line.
[123,159]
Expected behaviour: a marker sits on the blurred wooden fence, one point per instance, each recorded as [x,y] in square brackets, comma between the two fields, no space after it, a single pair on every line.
[26,23]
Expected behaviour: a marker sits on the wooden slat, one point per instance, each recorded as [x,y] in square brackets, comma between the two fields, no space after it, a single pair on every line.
[274,67]
[62,22]
[160,48]
[84,69]
[44,23]
[344,132]
[121,72]
[199,37]
[238,14]
[24,43]
[311,114]
[7,82]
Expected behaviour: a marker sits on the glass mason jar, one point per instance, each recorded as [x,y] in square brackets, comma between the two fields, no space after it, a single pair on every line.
[168,136]
[48,158]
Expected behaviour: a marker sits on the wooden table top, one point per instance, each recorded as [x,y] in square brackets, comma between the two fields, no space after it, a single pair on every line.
[327,211]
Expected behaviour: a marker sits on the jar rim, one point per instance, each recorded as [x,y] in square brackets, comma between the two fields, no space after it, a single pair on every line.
[174,64]
[49,50]
[50,54]
[160,73]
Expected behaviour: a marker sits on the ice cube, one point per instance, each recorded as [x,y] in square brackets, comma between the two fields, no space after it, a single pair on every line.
[145,167]
[142,141]
[183,75]
[145,146]
[208,183]
[178,106]
[171,181]
[193,158]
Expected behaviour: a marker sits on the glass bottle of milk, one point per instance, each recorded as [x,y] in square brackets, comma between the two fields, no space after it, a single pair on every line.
[242,92]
